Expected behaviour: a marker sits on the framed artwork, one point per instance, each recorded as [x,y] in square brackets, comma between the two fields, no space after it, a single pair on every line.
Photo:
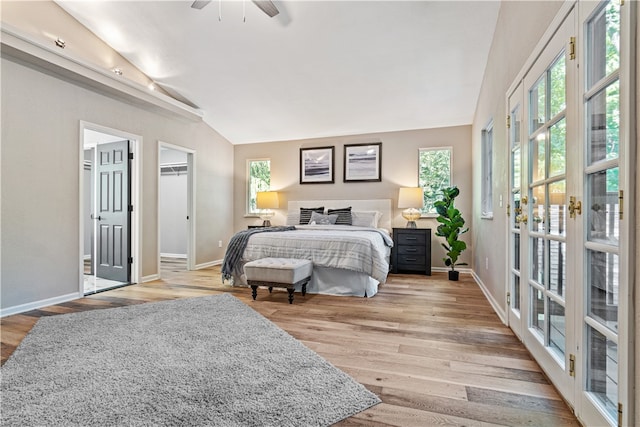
[316,165]
[362,162]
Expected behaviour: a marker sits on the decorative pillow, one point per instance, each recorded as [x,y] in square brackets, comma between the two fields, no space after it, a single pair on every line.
[293,218]
[365,218]
[305,214]
[320,219]
[344,215]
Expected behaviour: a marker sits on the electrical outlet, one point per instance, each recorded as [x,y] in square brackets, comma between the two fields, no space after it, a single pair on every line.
[486,263]
[219,243]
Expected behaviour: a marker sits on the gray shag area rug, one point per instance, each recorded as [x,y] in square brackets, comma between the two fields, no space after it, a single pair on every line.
[200,361]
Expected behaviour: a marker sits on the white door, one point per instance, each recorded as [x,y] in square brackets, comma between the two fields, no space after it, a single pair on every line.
[546,236]
[603,327]
[516,218]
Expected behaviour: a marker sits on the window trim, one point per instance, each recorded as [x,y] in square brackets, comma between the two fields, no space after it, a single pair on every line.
[486,188]
[248,212]
[448,148]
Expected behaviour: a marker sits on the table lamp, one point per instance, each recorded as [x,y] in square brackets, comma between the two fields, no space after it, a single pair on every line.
[412,199]
[265,201]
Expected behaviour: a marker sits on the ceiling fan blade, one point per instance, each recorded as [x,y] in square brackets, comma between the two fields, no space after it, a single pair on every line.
[267,7]
[199,4]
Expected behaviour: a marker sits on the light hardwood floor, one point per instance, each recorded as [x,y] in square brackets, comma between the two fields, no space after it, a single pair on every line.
[433,350]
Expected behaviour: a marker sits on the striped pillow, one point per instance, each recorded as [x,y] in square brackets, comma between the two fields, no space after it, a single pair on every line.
[344,215]
[305,214]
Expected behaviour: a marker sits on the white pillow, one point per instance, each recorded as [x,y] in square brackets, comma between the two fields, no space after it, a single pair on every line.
[293,218]
[365,218]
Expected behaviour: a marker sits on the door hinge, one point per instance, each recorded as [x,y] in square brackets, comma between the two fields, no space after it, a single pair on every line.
[621,202]
[509,298]
[130,260]
[508,209]
[621,2]
[572,365]
[619,414]
[130,156]
[130,208]
[508,121]
[572,48]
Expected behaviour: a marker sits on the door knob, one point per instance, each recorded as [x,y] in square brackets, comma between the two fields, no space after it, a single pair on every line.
[575,207]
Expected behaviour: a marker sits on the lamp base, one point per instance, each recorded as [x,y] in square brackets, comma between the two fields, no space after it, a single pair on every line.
[266,223]
[411,224]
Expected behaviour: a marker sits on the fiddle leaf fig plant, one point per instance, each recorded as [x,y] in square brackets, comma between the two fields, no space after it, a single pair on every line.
[451,226]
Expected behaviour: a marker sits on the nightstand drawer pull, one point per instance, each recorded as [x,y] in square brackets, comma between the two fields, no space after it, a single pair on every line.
[411,259]
[410,238]
[411,250]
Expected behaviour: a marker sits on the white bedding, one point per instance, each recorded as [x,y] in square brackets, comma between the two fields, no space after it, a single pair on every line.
[347,260]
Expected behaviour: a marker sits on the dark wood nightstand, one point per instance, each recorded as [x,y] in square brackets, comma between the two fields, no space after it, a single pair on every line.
[411,252]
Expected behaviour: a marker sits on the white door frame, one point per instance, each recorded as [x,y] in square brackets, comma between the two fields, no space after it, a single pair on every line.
[191,203]
[136,215]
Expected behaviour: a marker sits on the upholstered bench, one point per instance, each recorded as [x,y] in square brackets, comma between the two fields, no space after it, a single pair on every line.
[278,273]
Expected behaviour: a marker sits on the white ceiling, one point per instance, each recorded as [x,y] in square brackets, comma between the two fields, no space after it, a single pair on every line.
[319,68]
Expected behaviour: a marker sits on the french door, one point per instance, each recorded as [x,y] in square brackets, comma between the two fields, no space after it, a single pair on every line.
[516,218]
[570,169]
[546,238]
[604,329]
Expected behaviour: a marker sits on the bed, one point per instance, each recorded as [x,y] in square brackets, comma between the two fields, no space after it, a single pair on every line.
[348,259]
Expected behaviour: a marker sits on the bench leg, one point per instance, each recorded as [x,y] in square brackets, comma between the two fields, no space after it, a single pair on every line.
[270,289]
[304,288]
[290,290]
[254,291]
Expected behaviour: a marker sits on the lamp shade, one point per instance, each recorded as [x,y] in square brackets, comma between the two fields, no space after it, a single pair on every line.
[410,197]
[267,200]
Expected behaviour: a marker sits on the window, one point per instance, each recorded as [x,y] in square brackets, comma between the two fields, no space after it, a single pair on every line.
[487,171]
[258,179]
[434,174]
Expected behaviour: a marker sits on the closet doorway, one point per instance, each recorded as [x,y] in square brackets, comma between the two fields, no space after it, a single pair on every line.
[176,201]
[106,209]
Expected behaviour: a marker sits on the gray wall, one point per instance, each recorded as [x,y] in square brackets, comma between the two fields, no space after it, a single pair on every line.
[40,180]
[399,169]
[520,26]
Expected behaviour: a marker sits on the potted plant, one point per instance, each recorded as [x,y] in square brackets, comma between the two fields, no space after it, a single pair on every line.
[451,227]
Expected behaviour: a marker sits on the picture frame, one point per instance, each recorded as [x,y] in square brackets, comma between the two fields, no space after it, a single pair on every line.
[317,165]
[363,162]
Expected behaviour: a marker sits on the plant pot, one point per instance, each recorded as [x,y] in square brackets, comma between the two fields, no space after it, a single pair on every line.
[454,275]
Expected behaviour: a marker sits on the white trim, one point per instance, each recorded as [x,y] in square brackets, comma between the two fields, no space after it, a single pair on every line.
[168,255]
[16,309]
[23,46]
[208,264]
[494,304]
[149,278]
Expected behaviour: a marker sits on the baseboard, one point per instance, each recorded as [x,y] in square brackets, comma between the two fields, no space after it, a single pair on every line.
[494,304]
[446,269]
[168,255]
[207,264]
[149,278]
[39,304]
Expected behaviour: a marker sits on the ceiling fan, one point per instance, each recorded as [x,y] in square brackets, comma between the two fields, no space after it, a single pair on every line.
[266,6]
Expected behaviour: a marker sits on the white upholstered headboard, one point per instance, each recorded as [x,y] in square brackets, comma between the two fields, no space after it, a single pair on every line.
[380,205]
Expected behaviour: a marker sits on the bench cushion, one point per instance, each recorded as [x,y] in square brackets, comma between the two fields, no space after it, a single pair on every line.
[278,270]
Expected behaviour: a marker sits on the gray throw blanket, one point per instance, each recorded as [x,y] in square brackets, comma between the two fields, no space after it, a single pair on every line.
[237,245]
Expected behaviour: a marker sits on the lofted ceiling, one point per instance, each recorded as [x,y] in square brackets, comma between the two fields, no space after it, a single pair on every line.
[318,68]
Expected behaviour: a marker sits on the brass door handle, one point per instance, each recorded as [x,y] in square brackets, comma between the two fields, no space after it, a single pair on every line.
[575,207]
